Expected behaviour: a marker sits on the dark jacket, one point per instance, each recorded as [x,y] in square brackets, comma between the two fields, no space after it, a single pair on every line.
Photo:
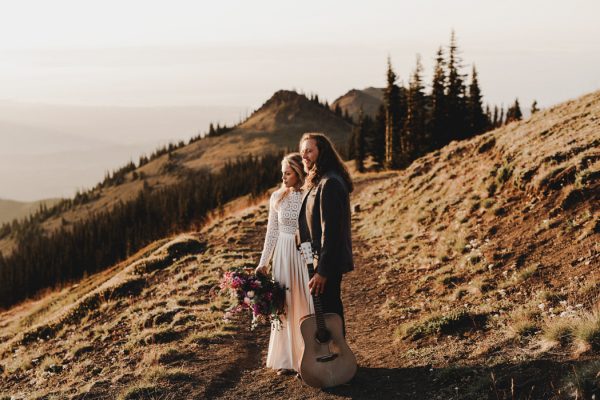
[324,220]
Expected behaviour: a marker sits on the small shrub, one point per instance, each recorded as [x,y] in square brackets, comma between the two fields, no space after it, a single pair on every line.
[487,145]
[448,323]
[162,336]
[81,349]
[523,323]
[527,273]
[172,355]
[504,173]
[488,203]
[140,392]
[559,330]
[491,189]
[499,211]
[475,259]
[587,330]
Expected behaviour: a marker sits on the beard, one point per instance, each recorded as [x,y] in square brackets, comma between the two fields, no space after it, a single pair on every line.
[308,166]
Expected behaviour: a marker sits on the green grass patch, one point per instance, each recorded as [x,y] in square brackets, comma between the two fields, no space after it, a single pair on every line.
[453,322]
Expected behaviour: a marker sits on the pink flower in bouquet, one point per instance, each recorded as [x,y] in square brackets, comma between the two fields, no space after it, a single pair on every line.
[262,296]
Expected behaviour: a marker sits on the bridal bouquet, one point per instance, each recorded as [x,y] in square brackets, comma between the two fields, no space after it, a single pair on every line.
[258,294]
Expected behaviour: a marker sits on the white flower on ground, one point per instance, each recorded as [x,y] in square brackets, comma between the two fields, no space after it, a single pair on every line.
[250,293]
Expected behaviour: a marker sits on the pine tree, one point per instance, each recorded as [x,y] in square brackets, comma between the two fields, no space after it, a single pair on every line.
[495,117]
[361,130]
[338,110]
[377,143]
[438,116]
[534,107]
[514,112]
[455,87]
[347,116]
[414,132]
[392,119]
[476,118]
[352,143]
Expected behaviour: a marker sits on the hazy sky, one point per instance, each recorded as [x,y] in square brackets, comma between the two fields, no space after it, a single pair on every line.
[222,59]
[238,53]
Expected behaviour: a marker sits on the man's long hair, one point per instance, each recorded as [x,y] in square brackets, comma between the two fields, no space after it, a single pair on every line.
[327,160]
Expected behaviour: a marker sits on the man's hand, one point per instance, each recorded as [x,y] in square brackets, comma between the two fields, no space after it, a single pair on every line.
[317,284]
[261,270]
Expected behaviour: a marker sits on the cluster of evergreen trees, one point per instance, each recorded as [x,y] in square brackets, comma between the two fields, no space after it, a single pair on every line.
[337,109]
[411,122]
[49,260]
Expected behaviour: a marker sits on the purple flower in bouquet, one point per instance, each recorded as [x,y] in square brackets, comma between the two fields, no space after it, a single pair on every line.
[262,296]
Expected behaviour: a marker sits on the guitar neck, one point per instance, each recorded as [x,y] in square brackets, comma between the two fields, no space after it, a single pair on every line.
[316,301]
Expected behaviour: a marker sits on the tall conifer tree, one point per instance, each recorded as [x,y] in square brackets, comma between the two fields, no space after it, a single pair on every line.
[377,144]
[438,116]
[455,93]
[361,131]
[415,118]
[476,118]
[392,119]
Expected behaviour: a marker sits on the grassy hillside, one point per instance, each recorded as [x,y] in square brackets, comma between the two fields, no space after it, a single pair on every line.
[477,277]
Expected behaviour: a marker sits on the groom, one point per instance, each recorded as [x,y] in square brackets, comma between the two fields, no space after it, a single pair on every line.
[324,218]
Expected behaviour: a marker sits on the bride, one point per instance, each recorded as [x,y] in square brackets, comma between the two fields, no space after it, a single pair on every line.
[288,269]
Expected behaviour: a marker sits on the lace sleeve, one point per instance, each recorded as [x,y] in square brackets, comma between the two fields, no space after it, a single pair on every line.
[272,232]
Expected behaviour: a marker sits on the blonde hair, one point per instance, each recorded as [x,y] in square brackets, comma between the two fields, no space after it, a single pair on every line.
[294,161]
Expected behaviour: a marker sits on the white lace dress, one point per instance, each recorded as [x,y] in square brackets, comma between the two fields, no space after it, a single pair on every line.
[286,344]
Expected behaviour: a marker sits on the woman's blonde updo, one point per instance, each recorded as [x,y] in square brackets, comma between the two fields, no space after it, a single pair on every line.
[294,161]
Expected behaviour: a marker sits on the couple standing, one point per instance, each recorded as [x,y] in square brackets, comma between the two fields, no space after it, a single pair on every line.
[312,205]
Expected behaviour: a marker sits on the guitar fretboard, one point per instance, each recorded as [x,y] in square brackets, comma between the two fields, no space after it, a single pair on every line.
[316,301]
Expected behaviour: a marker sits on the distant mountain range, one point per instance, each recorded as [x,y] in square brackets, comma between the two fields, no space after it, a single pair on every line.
[52,150]
[369,100]
[10,209]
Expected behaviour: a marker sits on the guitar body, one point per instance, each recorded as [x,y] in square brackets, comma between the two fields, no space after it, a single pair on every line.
[330,363]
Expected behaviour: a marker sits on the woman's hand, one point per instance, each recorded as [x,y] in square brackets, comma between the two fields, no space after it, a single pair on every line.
[261,270]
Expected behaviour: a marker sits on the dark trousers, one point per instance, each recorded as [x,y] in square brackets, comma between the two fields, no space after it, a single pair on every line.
[331,299]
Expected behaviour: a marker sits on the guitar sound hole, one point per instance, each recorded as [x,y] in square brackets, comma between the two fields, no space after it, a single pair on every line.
[323,336]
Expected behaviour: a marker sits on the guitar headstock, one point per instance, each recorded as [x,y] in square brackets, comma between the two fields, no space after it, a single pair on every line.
[307,252]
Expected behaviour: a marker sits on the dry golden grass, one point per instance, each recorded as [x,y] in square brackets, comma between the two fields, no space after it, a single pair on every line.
[524,322]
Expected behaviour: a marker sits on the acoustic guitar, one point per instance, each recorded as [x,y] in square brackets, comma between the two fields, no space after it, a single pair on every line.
[327,360]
